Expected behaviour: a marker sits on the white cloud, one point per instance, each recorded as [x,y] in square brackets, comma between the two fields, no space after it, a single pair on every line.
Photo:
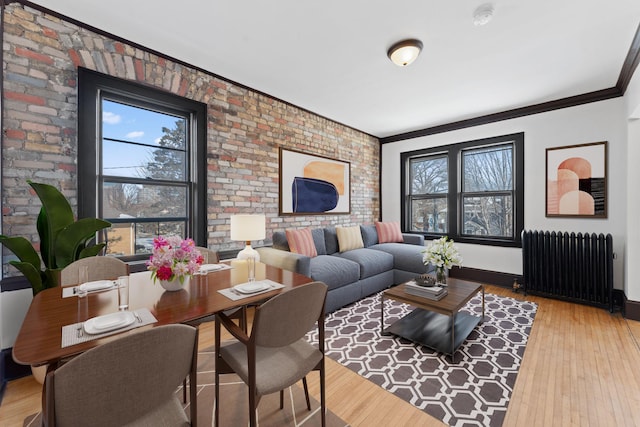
[135,134]
[110,118]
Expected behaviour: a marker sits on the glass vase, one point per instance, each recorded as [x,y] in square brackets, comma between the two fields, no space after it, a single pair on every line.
[441,275]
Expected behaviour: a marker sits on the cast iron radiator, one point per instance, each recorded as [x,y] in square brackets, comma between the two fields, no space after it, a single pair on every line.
[575,267]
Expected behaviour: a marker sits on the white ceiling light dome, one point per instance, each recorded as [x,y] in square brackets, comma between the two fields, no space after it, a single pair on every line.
[483,14]
[404,52]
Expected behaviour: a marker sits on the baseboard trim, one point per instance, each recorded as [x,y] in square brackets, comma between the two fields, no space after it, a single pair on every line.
[10,370]
[505,280]
[632,310]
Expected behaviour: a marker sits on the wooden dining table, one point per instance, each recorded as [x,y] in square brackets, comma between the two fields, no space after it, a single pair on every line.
[39,340]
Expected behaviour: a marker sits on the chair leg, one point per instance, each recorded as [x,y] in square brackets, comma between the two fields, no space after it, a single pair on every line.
[281,399]
[306,392]
[184,390]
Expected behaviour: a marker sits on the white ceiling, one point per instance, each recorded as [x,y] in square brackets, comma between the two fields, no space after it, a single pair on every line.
[330,56]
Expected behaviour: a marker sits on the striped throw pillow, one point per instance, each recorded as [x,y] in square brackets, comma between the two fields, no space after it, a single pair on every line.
[349,238]
[389,232]
[301,242]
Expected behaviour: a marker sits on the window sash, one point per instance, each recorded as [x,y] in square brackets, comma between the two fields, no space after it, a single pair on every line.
[505,222]
[93,89]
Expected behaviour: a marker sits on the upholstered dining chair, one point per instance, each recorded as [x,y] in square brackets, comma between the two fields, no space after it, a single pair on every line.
[240,313]
[276,354]
[212,256]
[100,268]
[129,381]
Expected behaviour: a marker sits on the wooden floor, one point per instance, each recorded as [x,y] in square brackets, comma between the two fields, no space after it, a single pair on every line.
[581,368]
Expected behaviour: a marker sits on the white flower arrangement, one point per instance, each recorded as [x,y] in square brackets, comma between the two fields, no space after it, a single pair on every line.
[442,254]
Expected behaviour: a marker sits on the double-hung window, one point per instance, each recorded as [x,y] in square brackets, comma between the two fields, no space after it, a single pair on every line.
[471,191]
[142,163]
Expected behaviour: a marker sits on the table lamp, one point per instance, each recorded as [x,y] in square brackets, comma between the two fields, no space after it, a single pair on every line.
[247,228]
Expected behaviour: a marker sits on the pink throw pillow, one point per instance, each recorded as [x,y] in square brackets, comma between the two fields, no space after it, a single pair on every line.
[389,232]
[301,242]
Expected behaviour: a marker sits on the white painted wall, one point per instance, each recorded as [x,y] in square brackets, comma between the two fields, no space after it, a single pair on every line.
[632,279]
[600,121]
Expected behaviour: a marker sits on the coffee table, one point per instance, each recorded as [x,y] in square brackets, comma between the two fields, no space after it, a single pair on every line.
[435,324]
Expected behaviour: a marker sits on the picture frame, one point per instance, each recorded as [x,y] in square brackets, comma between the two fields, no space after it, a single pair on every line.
[576,181]
[311,184]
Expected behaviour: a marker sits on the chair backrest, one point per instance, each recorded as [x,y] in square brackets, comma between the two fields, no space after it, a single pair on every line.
[287,317]
[123,380]
[212,256]
[100,268]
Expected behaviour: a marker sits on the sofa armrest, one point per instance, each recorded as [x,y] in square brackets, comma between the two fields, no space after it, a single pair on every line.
[413,239]
[286,260]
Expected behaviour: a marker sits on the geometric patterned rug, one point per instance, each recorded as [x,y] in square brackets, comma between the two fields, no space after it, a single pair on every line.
[473,391]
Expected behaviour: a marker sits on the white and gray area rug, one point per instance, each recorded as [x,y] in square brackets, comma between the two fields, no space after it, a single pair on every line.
[473,391]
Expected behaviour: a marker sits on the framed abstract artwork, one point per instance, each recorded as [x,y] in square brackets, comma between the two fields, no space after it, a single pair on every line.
[577,181]
[313,185]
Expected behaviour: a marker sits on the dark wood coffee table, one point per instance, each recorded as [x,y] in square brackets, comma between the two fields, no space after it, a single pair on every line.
[435,324]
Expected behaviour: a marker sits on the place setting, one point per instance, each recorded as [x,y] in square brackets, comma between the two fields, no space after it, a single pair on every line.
[106,324]
[249,289]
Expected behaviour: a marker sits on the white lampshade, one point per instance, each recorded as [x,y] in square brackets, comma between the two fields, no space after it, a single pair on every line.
[405,52]
[248,227]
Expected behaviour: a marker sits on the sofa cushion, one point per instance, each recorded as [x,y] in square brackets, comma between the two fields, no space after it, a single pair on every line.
[349,238]
[405,257]
[371,262]
[279,239]
[369,235]
[389,232]
[331,240]
[301,242]
[334,271]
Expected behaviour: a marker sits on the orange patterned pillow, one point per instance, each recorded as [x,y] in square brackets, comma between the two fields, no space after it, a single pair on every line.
[301,242]
[389,232]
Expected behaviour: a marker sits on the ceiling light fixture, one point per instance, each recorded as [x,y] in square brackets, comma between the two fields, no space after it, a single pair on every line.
[483,14]
[404,52]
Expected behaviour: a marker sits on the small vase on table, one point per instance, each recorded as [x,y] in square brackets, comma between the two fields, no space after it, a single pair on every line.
[441,276]
[174,284]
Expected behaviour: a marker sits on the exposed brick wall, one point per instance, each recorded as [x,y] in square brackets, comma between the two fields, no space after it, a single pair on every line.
[245,128]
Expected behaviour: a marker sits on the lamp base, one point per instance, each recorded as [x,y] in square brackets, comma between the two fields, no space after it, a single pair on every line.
[249,252]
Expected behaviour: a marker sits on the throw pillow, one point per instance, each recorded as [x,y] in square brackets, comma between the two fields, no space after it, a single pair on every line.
[349,238]
[301,242]
[389,232]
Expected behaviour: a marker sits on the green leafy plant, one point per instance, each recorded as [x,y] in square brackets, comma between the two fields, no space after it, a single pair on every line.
[63,240]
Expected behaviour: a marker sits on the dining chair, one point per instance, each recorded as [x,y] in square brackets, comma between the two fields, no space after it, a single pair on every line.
[129,381]
[240,313]
[100,268]
[276,354]
[212,257]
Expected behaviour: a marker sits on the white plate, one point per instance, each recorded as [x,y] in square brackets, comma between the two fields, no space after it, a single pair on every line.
[109,322]
[251,288]
[209,267]
[96,285]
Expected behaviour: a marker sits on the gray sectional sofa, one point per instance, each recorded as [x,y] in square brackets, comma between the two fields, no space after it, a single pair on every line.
[353,274]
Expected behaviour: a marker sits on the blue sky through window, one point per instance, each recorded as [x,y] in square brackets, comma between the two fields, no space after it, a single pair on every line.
[133,124]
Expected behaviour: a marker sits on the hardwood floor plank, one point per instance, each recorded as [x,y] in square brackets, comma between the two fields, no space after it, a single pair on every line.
[580,368]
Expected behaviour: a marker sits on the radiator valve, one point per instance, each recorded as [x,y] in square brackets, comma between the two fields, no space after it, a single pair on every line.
[516,286]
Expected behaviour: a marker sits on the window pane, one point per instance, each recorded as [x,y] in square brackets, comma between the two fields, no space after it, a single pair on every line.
[488,216]
[429,215]
[132,238]
[429,175]
[139,161]
[488,169]
[143,201]
[134,124]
